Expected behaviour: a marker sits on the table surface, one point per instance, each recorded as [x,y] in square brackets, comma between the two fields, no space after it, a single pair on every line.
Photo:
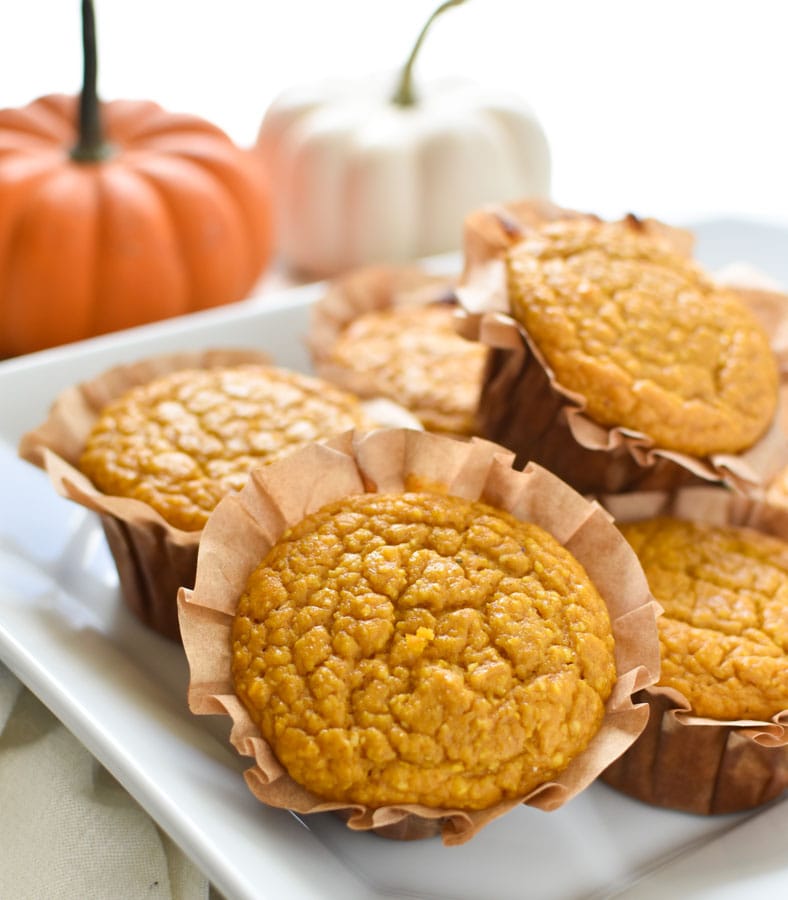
[672,109]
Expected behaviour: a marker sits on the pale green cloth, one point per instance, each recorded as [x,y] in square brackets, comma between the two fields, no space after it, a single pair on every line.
[67,828]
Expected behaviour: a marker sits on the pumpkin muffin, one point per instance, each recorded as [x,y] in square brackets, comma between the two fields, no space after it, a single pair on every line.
[153,445]
[716,740]
[422,648]
[182,441]
[724,632]
[415,356]
[648,340]
[615,360]
[389,331]
[416,636]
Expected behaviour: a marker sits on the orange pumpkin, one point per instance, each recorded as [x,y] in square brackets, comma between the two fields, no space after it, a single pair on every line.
[116,214]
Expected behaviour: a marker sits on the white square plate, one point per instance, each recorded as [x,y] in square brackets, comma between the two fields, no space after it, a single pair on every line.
[121,689]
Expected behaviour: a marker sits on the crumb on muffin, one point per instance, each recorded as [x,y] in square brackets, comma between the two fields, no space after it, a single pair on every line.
[644,335]
[422,648]
[724,633]
[182,441]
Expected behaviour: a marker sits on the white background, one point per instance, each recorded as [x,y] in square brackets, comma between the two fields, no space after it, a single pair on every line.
[676,108]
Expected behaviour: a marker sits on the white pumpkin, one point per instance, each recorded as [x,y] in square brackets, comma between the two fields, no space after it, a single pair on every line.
[364,171]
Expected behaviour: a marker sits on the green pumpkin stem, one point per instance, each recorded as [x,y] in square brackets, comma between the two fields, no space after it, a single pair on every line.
[90,146]
[405,95]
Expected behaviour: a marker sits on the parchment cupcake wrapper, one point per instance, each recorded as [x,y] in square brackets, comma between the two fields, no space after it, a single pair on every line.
[153,558]
[688,762]
[245,525]
[523,405]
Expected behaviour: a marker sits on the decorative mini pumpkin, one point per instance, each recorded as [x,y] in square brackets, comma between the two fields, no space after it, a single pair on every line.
[132,215]
[366,174]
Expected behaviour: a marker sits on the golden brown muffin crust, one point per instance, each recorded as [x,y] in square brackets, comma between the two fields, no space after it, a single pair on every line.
[422,648]
[183,441]
[724,635]
[414,356]
[644,335]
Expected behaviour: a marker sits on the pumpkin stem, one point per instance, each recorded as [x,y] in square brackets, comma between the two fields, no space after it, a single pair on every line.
[404,95]
[90,146]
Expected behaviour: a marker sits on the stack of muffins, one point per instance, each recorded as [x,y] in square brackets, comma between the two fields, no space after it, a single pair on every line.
[420,630]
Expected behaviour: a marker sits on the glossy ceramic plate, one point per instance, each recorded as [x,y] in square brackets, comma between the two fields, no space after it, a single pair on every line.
[121,689]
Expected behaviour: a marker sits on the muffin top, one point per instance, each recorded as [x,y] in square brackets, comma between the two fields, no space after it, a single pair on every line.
[644,335]
[413,355]
[724,634]
[422,648]
[182,441]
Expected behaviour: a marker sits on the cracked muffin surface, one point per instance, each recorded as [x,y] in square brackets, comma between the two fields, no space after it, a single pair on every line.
[644,335]
[182,441]
[422,648]
[413,355]
[724,633]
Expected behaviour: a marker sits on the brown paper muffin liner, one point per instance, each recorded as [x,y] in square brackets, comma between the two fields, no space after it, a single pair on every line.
[244,526]
[771,307]
[153,558]
[525,408]
[687,762]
